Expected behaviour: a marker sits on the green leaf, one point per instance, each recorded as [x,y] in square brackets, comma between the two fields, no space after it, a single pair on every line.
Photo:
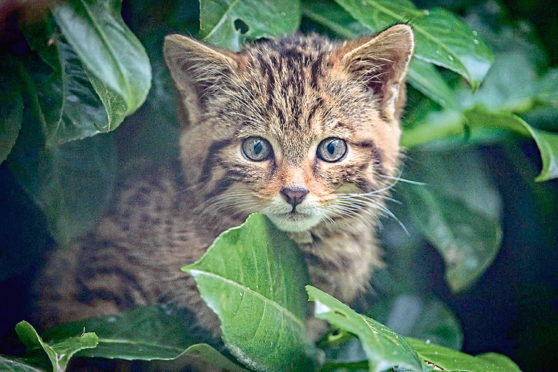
[76,104]
[501,361]
[14,364]
[491,108]
[427,80]
[11,107]
[230,23]
[71,183]
[441,38]
[443,359]
[59,353]
[547,142]
[457,210]
[467,240]
[546,89]
[384,348]
[421,318]
[107,48]
[146,333]
[422,75]
[257,292]
[209,355]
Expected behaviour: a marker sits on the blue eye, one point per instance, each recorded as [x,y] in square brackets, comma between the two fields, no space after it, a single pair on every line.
[256,148]
[332,149]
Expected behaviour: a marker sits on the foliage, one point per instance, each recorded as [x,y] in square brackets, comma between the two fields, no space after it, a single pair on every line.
[259,297]
[85,72]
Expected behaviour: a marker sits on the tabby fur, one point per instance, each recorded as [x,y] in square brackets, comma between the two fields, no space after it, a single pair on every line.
[294,92]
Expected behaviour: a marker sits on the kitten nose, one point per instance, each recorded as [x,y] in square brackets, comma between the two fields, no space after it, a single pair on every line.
[294,195]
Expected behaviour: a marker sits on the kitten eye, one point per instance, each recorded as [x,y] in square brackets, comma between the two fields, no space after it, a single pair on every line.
[332,149]
[256,148]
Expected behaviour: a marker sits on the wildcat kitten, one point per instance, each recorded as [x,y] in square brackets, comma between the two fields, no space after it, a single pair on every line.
[302,129]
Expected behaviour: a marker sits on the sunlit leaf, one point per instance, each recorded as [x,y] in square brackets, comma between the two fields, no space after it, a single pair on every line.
[441,38]
[444,359]
[75,103]
[258,294]
[547,142]
[60,352]
[422,75]
[384,348]
[230,23]
[106,47]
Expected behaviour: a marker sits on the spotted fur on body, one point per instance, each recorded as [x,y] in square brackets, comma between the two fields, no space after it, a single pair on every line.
[294,93]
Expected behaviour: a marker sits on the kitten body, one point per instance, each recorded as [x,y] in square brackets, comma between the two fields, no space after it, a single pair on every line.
[291,95]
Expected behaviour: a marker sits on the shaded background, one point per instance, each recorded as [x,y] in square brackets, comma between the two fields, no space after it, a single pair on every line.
[512,309]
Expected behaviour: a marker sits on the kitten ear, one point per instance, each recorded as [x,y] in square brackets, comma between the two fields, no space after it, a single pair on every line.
[381,62]
[197,70]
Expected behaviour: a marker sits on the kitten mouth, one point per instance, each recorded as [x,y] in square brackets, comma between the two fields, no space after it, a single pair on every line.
[294,215]
[295,221]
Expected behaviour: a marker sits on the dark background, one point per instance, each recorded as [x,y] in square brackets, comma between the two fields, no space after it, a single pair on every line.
[512,309]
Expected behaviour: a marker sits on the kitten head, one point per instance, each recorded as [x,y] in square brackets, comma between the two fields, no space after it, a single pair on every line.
[302,129]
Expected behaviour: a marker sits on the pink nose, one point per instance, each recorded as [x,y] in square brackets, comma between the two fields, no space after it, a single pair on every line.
[294,195]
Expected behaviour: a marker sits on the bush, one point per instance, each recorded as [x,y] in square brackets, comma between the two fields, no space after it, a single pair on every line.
[479,88]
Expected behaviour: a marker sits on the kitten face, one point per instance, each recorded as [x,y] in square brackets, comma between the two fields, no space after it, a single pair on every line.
[301,129]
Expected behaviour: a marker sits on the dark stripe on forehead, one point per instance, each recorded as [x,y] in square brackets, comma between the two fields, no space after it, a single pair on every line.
[210,159]
[316,71]
[319,102]
[270,86]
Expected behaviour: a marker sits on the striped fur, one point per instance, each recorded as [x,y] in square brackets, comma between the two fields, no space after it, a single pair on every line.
[294,92]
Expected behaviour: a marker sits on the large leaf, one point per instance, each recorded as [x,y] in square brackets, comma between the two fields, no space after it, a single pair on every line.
[11,107]
[146,333]
[71,183]
[491,108]
[546,89]
[441,38]
[443,359]
[427,319]
[76,104]
[422,75]
[253,278]
[384,348]
[457,211]
[467,240]
[547,142]
[107,49]
[12,364]
[230,23]
[59,353]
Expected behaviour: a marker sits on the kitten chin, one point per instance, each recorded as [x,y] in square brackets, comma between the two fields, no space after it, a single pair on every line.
[295,222]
